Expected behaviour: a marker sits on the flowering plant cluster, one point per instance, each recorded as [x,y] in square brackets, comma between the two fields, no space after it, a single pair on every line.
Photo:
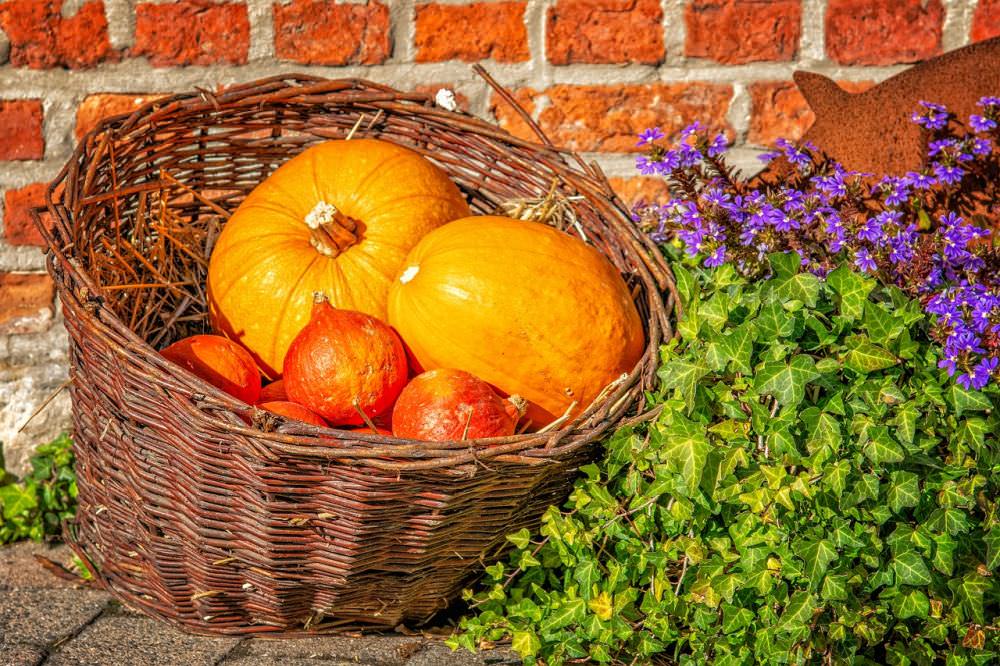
[926,232]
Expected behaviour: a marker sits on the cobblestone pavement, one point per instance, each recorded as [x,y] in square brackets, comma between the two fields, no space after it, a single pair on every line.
[47,620]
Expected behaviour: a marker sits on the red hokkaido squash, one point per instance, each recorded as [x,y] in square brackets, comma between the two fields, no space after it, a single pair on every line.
[292,410]
[337,219]
[220,362]
[344,363]
[275,391]
[446,404]
[525,307]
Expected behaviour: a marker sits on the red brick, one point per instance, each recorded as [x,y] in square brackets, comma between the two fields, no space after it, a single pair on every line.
[41,38]
[883,32]
[25,302]
[741,31]
[476,31]
[608,118]
[192,32]
[986,20]
[778,110]
[18,227]
[640,189]
[21,130]
[321,32]
[605,31]
[96,108]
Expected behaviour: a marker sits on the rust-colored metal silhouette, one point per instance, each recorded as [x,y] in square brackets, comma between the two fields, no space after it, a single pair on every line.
[872,132]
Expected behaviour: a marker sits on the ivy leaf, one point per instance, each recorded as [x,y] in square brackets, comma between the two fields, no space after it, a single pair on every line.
[971,591]
[774,322]
[992,540]
[826,433]
[525,643]
[784,264]
[587,574]
[739,346]
[803,287]
[913,603]
[735,618]
[817,556]
[683,375]
[835,588]
[572,611]
[881,325]
[798,612]
[910,569]
[852,289]
[686,450]
[17,500]
[904,490]
[863,357]
[967,401]
[882,449]
[686,285]
[786,381]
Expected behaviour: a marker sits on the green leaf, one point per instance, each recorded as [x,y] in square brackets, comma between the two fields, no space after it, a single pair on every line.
[17,500]
[774,323]
[739,346]
[992,541]
[786,381]
[904,490]
[967,401]
[863,357]
[798,612]
[785,264]
[802,287]
[826,433]
[520,538]
[913,603]
[852,289]
[572,611]
[686,450]
[970,592]
[881,325]
[683,375]
[525,643]
[587,574]
[835,588]
[686,285]
[882,449]
[735,618]
[910,569]
[817,556]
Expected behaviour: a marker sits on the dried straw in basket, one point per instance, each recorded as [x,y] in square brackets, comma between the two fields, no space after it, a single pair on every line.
[194,516]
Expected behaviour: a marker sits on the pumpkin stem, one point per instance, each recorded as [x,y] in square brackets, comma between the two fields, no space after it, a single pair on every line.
[332,231]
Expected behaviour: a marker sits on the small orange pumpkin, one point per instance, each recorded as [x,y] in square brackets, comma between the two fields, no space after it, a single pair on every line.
[344,363]
[446,404]
[525,307]
[273,392]
[292,410]
[220,362]
[337,219]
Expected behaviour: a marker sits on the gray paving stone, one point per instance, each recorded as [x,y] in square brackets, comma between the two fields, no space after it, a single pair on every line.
[438,654]
[41,617]
[369,651]
[19,568]
[126,640]
[21,655]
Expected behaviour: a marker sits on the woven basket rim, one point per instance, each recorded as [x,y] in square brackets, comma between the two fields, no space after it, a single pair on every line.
[378,451]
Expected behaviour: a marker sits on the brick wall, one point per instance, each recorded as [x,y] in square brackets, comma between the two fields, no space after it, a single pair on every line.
[592,72]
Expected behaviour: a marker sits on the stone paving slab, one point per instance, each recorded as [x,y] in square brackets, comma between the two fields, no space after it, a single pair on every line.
[45,620]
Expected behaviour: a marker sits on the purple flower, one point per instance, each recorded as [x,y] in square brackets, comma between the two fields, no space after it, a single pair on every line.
[717,258]
[988,101]
[920,181]
[650,135]
[718,146]
[644,166]
[948,175]
[864,260]
[933,116]
[871,231]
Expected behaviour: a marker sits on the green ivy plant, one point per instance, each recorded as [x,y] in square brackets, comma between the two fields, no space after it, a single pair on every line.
[814,491]
[35,507]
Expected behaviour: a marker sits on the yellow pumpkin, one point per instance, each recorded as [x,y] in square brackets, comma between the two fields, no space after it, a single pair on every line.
[337,219]
[529,309]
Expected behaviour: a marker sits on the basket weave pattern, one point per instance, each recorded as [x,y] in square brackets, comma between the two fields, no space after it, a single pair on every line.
[203,511]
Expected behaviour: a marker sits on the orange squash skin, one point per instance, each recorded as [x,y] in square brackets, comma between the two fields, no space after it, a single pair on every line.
[292,410]
[220,362]
[342,362]
[273,392]
[529,309]
[446,405]
[268,262]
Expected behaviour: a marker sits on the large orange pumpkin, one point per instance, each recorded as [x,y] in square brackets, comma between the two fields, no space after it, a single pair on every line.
[337,219]
[523,306]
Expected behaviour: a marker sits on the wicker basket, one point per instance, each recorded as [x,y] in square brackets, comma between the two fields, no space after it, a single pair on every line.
[199,509]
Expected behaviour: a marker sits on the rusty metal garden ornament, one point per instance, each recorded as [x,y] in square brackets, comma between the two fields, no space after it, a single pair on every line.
[871,131]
